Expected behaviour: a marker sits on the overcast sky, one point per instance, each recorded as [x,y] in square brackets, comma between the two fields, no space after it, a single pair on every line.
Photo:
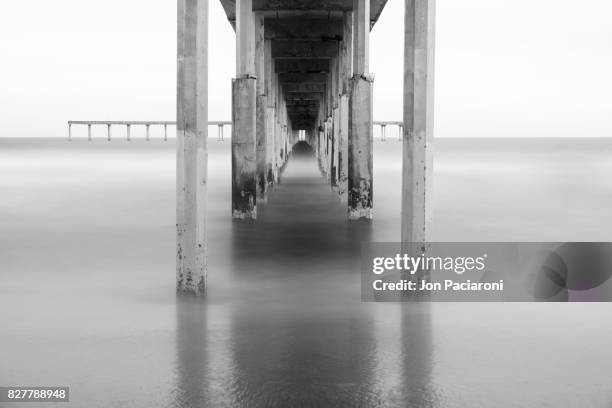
[504,67]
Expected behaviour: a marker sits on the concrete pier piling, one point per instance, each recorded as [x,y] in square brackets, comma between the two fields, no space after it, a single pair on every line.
[417,171]
[261,107]
[244,155]
[192,154]
[360,180]
[244,116]
[302,74]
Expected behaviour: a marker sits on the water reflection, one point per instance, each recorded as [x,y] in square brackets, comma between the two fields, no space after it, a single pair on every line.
[192,353]
[416,351]
[297,333]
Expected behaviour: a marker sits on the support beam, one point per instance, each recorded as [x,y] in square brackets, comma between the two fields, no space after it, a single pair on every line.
[303,29]
[346,52]
[417,171]
[346,71]
[360,149]
[245,41]
[192,154]
[300,65]
[262,106]
[244,114]
[311,9]
[361,36]
[304,49]
[302,78]
[244,156]
[304,87]
[303,96]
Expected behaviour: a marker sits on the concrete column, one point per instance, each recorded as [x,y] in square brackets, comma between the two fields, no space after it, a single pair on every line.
[128,131]
[361,36]
[346,72]
[270,112]
[343,113]
[417,171]
[244,190]
[245,40]
[346,52]
[108,129]
[89,132]
[335,145]
[360,179]
[262,106]
[192,154]
[244,117]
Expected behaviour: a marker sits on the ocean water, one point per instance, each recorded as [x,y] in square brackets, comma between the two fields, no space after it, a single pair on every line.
[87,283]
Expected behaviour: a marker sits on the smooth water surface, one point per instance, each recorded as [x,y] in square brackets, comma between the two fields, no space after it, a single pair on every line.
[87,283]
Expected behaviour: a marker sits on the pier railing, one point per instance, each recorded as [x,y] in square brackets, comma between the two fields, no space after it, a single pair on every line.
[383,128]
[129,124]
[220,124]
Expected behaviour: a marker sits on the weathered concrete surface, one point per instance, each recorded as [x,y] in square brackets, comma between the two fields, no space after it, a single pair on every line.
[346,53]
[417,174]
[245,43]
[304,49]
[361,34]
[270,164]
[304,87]
[302,65]
[192,154]
[262,146]
[315,9]
[343,113]
[335,146]
[360,180]
[302,28]
[262,106]
[244,191]
[297,78]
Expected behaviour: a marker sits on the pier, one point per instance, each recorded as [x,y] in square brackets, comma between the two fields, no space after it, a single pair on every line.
[301,68]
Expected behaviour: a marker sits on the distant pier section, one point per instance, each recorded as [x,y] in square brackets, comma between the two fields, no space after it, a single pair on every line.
[219,123]
[129,124]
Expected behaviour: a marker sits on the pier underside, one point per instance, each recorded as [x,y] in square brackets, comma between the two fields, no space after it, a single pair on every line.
[302,72]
